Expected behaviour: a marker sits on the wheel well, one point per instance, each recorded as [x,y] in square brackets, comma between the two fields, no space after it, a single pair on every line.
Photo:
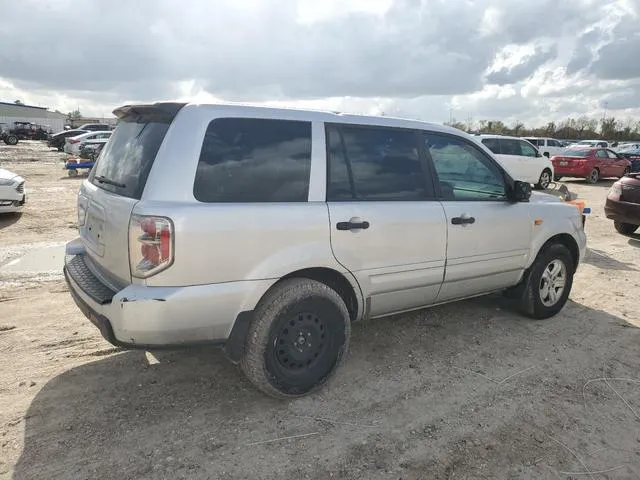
[334,280]
[569,242]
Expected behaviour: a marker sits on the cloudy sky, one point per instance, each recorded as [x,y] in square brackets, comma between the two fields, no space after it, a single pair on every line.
[527,60]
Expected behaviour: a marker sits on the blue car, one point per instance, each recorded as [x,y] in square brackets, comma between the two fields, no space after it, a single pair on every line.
[633,155]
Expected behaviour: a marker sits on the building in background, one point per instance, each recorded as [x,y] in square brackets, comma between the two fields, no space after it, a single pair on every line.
[13,112]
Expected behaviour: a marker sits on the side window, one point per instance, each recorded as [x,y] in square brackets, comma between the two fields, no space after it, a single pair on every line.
[464,172]
[381,164]
[554,143]
[492,144]
[510,146]
[602,154]
[527,149]
[254,160]
[612,155]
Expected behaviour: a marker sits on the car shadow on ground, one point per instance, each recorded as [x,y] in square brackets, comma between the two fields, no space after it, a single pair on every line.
[418,393]
[601,259]
[8,219]
[603,182]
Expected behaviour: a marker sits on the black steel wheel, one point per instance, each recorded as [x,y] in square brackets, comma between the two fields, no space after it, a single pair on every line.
[11,140]
[297,339]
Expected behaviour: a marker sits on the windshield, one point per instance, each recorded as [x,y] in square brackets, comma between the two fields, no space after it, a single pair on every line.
[126,160]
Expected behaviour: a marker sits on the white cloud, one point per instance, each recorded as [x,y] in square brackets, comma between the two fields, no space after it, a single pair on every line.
[500,59]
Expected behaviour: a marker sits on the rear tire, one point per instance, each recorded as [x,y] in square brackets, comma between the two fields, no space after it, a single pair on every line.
[547,287]
[11,140]
[545,180]
[627,171]
[625,228]
[594,176]
[297,339]
[73,173]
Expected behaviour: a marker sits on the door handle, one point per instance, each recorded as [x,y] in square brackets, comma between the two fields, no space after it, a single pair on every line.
[463,220]
[353,224]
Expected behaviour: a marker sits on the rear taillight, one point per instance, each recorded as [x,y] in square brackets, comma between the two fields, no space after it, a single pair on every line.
[615,192]
[150,245]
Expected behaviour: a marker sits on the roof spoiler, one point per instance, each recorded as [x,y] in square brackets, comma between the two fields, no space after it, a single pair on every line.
[162,112]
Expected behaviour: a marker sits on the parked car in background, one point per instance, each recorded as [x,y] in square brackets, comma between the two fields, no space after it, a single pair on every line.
[89,146]
[12,194]
[95,127]
[521,159]
[327,219]
[72,144]
[590,143]
[626,146]
[590,163]
[623,204]
[58,140]
[633,155]
[547,146]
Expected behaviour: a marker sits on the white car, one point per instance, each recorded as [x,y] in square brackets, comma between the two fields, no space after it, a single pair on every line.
[590,144]
[278,228]
[12,195]
[547,146]
[521,159]
[72,144]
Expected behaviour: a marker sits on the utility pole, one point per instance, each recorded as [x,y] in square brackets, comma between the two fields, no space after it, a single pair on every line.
[450,114]
[604,115]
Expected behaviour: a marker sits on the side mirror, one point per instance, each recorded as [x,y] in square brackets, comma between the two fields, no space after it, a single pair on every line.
[521,191]
[538,154]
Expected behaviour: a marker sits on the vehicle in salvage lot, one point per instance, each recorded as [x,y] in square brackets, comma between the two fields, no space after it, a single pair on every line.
[12,194]
[521,159]
[279,227]
[547,146]
[633,155]
[591,164]
[58,140]
[623,204]
[72,144]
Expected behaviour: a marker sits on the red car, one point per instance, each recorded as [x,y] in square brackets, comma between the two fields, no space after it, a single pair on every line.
[589,163]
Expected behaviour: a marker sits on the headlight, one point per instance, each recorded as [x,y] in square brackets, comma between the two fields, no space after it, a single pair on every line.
[6,181]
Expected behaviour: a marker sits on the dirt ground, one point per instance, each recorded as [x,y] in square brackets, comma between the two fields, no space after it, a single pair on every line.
[469,390]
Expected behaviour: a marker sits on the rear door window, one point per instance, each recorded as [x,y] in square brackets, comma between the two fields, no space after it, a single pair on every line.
[492,144]
[252,160]
[510,146]
[371,163]
[125,162]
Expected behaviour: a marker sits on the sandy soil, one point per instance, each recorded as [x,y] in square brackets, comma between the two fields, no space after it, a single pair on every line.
[469,390]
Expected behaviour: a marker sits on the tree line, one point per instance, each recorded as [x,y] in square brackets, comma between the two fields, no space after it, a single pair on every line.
[581,128]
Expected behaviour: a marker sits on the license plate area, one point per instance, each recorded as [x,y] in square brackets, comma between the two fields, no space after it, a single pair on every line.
[564,164]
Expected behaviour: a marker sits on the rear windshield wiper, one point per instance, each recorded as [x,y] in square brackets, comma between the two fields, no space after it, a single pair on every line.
[103,179]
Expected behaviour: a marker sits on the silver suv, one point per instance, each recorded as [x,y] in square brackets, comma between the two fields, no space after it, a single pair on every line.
[270,231]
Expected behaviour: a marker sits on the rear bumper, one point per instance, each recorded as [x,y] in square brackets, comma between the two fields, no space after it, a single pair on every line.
[623,212]
[159,317]
[580,172]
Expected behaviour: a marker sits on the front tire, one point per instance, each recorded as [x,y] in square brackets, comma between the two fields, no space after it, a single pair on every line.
[11,140]
[594,176]
[298,338]
[549,282]
[545,180]
[625,228]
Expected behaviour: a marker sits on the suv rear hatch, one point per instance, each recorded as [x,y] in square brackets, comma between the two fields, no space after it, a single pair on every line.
[116,184]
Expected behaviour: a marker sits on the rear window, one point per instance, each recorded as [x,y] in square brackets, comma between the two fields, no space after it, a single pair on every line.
[492,144]
[576,152]
[125,162]
[250,160]
[536,142]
